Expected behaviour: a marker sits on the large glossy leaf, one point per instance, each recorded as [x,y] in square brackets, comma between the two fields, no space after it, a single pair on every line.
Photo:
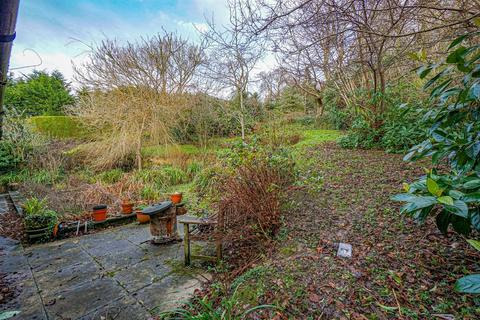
[458,208]
[468,284]
[443,220]
[438,90]
[421,202]
[436,77]
[472,184]
[476,72]
[457,56]
[446,200]
[407,208]
[475,220]
[420,185]
[456,194]
[457,41]
[424,71]
[433,187]
[474,92]
[449,93]
[471,197]
[474,243]
[461,225]
[409,156]
[439,155]
[473,150]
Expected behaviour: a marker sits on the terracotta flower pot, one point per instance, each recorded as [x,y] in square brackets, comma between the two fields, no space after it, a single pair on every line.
[99,213]
[176,197]
[127,207]
[142,218]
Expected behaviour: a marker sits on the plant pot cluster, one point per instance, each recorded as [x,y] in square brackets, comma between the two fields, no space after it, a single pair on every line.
[99,212]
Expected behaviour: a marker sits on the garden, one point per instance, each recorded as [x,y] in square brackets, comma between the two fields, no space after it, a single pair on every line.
[351,143]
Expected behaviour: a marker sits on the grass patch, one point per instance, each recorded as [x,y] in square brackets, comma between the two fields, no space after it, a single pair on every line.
[315,136]
[111,176]
[166,150]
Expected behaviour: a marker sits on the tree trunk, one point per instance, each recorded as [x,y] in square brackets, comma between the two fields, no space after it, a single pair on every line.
[381,76]
[320,107]
[242,116]
[305,103]
[139,156]
[138,152]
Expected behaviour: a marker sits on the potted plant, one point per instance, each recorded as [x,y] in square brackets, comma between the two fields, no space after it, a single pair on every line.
[176,197]
[142,218]
[39,220]
[127,206]
[99,212]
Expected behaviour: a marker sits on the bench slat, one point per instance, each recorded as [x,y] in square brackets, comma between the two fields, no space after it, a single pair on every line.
[195,220]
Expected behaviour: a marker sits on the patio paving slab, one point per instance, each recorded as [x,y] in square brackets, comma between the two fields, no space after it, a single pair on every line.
[114,274]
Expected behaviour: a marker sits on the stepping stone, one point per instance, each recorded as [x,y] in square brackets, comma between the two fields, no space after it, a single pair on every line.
[344,250]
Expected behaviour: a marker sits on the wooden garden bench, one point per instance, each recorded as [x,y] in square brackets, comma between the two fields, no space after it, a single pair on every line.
[211,223]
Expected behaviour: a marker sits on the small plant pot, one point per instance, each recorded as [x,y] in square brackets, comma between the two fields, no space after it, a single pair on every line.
[99,213]
[127,207]
[142,218]
[176,197]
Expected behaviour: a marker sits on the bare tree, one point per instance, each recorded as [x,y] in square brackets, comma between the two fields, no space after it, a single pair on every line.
[135,93]
[271,84]
[165,63]
[353,43]
[233,54]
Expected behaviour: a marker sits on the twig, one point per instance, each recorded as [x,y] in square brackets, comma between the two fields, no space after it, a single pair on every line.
[398,304]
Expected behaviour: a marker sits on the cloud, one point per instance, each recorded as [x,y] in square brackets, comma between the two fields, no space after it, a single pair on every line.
[48,26]
[49,61]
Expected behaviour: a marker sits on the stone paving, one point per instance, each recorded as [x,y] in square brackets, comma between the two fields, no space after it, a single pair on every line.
[3,204]
[114,274]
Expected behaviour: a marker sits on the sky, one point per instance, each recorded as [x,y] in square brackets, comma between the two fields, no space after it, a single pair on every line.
[55,32]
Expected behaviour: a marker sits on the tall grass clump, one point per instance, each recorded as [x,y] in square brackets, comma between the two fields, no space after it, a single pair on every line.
[111,176]
[230,308]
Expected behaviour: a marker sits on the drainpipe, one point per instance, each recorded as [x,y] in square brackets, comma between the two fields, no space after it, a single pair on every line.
[8,19]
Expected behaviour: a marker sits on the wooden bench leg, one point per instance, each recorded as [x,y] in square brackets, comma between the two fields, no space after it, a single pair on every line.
[186,243]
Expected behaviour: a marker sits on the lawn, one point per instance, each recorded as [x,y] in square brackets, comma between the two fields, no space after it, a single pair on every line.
[311,137]
[398,270]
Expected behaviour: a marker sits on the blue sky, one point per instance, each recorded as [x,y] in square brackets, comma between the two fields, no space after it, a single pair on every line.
[50,26]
